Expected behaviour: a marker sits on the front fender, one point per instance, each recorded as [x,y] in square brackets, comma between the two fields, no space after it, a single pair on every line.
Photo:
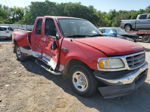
[81,52]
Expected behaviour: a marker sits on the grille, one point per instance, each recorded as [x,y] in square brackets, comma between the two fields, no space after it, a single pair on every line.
[136,60]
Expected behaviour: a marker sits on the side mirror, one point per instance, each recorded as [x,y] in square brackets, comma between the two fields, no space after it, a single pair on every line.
[57,36]
[54,45]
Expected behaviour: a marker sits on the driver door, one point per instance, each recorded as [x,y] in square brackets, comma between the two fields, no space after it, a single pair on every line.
[51,50]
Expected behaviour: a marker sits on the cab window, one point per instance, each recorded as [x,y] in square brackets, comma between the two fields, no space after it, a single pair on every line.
[38,29]
[50,28]
[143,16]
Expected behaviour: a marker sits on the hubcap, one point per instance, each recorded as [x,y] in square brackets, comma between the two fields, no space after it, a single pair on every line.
[127,28]
[80,81]
[18,52]
[146,38]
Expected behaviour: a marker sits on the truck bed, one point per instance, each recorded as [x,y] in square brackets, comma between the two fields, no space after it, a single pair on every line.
[21,36]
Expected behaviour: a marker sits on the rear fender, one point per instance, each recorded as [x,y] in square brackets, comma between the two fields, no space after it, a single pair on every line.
[20,38]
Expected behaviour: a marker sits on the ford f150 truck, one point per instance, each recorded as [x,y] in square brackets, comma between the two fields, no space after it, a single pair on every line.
[141,23]
[74,48]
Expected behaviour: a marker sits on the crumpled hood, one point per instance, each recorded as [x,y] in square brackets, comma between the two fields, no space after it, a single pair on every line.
[111,46]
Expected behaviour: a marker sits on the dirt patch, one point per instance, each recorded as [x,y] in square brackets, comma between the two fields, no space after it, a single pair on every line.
[25,87]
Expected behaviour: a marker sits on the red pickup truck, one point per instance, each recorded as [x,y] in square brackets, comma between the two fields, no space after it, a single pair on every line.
[74,48]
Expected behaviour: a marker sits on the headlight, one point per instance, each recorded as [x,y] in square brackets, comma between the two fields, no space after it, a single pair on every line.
[110,63]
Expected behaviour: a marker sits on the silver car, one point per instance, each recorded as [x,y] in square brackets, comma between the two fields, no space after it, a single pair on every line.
[5,32]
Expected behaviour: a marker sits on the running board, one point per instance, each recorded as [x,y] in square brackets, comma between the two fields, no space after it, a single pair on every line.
[47,68]
[26,50]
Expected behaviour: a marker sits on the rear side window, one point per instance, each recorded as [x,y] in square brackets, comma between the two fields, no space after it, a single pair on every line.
[143,16]
[38,29]
[50,28]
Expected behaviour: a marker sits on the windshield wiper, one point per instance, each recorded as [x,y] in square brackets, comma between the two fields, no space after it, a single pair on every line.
[77,36]
[80,36]
[95,35]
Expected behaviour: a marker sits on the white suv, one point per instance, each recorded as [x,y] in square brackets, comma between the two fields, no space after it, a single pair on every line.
[5,32]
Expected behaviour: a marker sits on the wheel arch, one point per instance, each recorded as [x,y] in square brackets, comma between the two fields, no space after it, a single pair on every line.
[70,63]
[128,24]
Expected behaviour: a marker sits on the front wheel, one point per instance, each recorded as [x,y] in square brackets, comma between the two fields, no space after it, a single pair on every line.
[82,80]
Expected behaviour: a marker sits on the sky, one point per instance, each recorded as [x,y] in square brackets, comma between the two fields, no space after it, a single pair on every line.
[102,5]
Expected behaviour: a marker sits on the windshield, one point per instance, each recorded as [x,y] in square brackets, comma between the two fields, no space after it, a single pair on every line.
[78,28]
[120,31]
[110,31]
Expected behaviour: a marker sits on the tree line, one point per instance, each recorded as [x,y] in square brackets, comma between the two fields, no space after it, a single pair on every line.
[28,14]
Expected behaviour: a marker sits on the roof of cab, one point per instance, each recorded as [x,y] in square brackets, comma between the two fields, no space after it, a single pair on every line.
[59,17]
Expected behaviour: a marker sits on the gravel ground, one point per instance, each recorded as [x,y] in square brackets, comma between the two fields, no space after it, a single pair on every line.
[25,87]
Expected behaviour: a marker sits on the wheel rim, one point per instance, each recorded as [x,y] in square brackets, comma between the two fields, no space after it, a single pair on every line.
[18,52]
[80,81]
[146,39]
[127,28]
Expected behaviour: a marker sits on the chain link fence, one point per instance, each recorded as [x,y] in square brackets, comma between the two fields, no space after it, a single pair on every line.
[19,26]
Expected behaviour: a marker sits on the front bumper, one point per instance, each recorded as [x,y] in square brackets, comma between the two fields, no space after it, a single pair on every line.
[121,83]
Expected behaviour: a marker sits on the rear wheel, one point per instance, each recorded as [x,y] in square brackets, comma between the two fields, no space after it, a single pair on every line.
[146,38]
[20,56]
[82,80]
[128,27]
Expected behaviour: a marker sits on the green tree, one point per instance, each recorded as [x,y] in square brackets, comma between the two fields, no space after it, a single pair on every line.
[47,8]
[16,14]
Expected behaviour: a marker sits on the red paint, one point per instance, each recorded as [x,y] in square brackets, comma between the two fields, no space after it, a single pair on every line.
[111,46]
[140,32]
[87,50]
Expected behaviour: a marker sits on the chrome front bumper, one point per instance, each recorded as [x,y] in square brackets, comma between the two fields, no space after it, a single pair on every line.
[122,84]
[126,78]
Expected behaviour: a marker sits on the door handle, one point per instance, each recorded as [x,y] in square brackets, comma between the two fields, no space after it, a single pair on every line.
[64,50]
[43,39]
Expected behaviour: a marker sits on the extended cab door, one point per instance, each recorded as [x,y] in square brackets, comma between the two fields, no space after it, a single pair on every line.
[51,50]
[36,39]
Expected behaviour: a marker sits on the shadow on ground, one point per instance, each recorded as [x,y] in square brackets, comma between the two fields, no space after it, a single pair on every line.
[139,101]
[3,41]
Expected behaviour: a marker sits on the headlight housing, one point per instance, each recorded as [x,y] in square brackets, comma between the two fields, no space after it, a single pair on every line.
[110,64]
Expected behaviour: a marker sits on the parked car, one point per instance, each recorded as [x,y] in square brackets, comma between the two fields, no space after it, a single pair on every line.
[75,49]
[5,32]
[118,32]
[142,22]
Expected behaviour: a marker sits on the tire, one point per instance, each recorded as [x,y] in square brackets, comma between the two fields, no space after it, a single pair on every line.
[20,56]
[146,38]
[128,28]
[134,39]
[82,80]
